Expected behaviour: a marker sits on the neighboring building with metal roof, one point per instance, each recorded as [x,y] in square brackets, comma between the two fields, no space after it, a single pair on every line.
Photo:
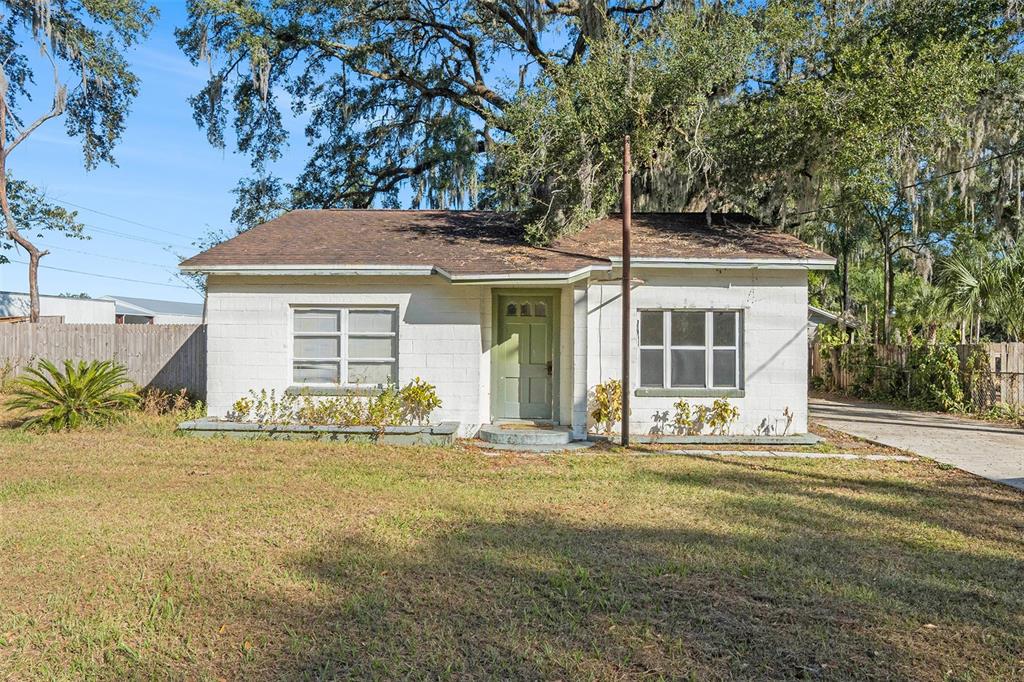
[15,307]
[131,310]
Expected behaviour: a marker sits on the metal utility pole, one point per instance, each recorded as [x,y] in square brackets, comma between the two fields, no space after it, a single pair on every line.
[627,318]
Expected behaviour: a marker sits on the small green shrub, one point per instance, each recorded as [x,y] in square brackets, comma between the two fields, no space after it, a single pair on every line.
[389,407]
[94,392]
[268,408]
[385,408]
[197,410]
[606,408]
[684,418]
[722,416]
[701,416]
[1006,412]
[311,412]
[240,409]
[419,400]
[347,410]
[934,375]
[862,362]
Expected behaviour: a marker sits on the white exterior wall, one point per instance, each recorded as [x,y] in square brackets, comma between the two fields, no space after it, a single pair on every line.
[73,310]
[774,341]
[445,336]
[439,336]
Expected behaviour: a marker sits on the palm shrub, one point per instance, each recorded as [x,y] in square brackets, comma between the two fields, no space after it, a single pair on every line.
[93,392]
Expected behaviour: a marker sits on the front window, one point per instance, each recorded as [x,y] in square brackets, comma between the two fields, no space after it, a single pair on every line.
[689,348]
[355,346]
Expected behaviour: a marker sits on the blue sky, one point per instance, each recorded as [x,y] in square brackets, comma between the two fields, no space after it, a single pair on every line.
[169,179]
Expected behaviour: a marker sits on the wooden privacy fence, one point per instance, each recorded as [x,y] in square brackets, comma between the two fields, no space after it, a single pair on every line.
[1002,383]
[166,356]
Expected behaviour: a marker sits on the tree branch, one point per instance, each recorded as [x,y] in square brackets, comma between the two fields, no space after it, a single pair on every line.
[525,33]
[636,9]
[401,75]
[59,103]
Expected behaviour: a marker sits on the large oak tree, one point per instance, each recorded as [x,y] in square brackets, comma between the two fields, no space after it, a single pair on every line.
[879,129]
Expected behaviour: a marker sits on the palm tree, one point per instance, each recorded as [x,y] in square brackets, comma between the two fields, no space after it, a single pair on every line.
[986,285]
[929,309]
[1010,302]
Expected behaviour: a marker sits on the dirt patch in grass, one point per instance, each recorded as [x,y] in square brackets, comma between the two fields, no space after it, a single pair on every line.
[127,552]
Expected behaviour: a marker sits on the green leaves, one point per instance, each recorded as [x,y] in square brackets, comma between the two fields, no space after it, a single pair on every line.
[606,405]
[884,132]
[88,39]
[562,162]
[986,285]
[33,212]
[83,393]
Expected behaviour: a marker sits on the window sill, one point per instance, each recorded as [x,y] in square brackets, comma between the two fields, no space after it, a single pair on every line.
[689,393]
[301,389]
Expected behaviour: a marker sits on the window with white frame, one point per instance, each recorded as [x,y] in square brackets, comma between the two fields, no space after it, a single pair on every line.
[356,346]
[690,349]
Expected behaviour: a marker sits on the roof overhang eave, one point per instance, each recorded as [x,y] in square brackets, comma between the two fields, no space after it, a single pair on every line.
[730,263]
[397,270]
[310,269]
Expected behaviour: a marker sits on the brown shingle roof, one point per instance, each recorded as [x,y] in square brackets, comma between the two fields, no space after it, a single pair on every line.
[474,243]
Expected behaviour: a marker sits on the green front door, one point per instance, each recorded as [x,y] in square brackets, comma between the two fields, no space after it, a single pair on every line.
[523,357]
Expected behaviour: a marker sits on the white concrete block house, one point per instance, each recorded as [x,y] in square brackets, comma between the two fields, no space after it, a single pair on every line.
[328,299]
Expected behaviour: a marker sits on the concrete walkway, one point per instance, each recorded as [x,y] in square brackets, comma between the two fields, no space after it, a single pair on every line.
[794,455]
[990,450]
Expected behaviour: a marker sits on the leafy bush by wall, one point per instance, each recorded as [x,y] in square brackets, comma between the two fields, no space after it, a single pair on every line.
[414,402]
[606,405]
[932,376]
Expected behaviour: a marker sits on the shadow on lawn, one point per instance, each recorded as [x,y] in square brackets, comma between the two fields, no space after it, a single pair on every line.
[942,503]
[762,586]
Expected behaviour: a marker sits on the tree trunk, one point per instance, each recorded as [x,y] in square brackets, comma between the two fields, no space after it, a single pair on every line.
[846,280]
[890,301]
[15,235]
[33,286]
[887,281]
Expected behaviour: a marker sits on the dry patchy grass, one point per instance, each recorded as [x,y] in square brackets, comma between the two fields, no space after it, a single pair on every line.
[127,552]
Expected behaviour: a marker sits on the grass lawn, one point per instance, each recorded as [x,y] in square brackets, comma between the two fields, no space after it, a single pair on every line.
[128,552]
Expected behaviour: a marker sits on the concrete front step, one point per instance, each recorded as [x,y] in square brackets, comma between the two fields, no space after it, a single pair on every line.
[524,434]
[573,446]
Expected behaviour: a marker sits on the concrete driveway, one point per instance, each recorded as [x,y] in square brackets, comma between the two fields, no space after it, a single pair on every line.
[989,450]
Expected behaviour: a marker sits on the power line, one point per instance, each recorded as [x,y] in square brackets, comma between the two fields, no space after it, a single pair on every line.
[122,279]
[124,220]
[125,235]
[919,183]
[123,260]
